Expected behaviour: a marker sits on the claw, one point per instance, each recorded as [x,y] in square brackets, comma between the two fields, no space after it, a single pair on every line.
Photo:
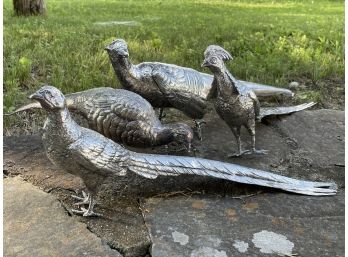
[89,211]
[86,212]
[83,200]
[249,152]
[258,151]
[238,154]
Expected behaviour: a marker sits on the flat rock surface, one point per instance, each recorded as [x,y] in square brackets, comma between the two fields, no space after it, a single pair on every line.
[306,145]
[262,225]
[36,224]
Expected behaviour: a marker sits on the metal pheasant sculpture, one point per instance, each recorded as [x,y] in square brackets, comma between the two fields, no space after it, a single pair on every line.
[166,85]
[123,116]
[97,159]
[236,104]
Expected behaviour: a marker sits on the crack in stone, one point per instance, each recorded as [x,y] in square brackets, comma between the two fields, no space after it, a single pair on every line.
[148,253]
[104,241]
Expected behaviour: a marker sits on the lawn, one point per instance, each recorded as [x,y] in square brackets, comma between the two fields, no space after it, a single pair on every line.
[272,42]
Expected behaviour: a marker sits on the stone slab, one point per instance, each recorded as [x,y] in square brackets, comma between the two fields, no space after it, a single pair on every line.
[263,225]
[37,225]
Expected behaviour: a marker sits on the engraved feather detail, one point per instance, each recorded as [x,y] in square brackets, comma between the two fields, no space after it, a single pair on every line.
[268,111]
[96,159]
[123,116]
[168,85]
[151,166]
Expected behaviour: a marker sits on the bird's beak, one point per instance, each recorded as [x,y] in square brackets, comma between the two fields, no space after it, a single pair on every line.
[123,53]
[36,96]
[108,47]
[204,64]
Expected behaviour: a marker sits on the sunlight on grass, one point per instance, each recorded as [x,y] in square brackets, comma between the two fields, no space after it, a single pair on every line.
[273,42]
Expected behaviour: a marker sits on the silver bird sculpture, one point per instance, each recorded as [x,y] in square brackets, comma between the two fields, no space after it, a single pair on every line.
[124,117]
[236,104]
[97,159]
[167,85]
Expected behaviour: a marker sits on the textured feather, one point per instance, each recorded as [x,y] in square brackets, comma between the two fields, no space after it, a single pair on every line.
[95,152]
[151,166]
[218,51]
[268,111]
[179,80]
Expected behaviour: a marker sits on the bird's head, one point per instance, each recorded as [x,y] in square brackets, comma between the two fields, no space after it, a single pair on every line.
[183,134]
[118,49]
[215,56]
[50,98]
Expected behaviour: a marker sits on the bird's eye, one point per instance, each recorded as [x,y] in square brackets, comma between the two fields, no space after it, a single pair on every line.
[48,94]
[213,60]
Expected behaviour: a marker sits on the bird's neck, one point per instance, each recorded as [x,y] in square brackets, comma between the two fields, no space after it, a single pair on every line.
[61,123]
[226,83]
[124,70]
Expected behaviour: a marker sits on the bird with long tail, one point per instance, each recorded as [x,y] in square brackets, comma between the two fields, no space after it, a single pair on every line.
[97,159]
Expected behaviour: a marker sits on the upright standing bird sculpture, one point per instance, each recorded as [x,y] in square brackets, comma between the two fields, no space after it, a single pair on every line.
[166,85]
[236,104]
[98,160]
[125,117]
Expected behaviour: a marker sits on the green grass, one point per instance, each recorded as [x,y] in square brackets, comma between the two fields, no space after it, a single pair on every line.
[273,42]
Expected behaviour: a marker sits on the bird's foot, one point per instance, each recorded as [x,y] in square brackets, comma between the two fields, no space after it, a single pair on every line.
[83,200]
[86,212]
[89,211]
[238,154]
[198,129]
[257,151]
[249,152]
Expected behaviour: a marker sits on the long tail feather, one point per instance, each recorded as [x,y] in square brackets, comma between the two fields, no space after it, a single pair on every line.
[266,90]
[33,105]
[151,166]
[283,110]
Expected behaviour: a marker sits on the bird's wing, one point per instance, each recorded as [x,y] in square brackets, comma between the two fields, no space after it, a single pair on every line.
[123,103]
[99,154]
[256,102]
[151,166]
[172,79]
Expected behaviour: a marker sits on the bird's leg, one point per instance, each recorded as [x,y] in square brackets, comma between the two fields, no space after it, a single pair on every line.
[189,147]
[89,211]
[161,114]
[166,147]
[198,124]
[253,150]
[236,133]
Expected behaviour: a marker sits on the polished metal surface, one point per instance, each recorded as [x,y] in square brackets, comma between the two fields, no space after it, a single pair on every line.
[97,159]
[269,111]
[125,117]
[236,104]
[167,85]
